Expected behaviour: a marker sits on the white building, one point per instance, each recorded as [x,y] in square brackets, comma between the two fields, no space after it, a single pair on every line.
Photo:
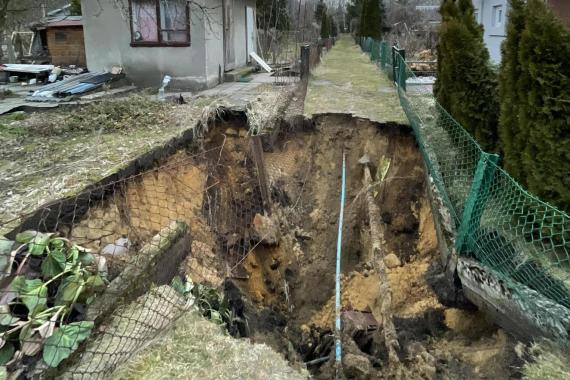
[492,14]
[193,42]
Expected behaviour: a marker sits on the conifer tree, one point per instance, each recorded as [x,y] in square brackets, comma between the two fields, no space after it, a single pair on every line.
[320,11]
[371,20]
[75,7]
[325,25]
[544,109]
[362,24]
[334,27]
[466,85]
[511,138]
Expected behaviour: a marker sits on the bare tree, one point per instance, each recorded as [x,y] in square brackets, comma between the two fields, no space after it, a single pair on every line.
[16,15]
[413,25]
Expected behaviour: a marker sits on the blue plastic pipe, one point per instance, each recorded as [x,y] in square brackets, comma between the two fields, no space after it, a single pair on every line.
[338,344]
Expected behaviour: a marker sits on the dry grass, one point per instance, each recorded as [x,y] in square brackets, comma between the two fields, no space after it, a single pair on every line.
[46,156]
[263,114]
[549,362]
[198,349]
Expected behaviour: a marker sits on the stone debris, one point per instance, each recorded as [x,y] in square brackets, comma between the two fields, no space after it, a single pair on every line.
[392,261]
[266,229]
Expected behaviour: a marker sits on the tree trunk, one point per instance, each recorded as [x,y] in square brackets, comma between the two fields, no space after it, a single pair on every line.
[3,13]
[377,258]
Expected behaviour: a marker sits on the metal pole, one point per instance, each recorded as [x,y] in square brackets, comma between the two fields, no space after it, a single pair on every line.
[305,62]
[338,344]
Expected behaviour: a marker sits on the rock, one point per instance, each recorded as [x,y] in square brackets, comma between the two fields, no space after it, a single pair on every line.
[119,248]
[266,229]
[315,215]
[275,264]
[101,262]
[200,248]
[232,132]
[232,239]
[302,234]
[243,133]
[392,261]
[356,367]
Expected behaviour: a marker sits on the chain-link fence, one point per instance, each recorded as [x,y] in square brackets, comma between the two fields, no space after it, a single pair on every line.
[88,280]
[523,239]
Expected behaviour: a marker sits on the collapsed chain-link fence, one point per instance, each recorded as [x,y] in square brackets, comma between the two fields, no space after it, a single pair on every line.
[87,280]
[524,240]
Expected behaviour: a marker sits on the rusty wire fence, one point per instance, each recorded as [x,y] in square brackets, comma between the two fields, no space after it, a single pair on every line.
[86,281]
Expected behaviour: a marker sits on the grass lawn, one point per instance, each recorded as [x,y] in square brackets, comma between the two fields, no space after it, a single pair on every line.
[347,82]
[49,155]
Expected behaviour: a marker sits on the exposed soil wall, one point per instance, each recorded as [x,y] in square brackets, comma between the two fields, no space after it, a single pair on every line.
[289,287]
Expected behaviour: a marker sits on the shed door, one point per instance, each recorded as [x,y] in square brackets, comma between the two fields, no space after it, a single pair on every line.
[229,53]
[250,31]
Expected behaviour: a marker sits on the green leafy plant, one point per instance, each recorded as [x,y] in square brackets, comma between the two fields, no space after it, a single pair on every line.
[211,303]
[49,277]
[64,341]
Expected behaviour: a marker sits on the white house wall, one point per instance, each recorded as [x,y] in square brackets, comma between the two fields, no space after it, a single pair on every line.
[199,66]
[215,42]
[240,42]
[486,12]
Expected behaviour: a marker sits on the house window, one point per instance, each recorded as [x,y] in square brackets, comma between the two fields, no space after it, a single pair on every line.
[497,15]
[60,36]
[160,23]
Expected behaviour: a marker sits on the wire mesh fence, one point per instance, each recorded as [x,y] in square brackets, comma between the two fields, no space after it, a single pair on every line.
[523,239]
[86,281]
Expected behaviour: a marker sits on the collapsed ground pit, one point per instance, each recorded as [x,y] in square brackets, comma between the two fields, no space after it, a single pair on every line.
[283,285]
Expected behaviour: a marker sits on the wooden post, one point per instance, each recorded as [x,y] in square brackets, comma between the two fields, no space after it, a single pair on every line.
[257,152]
[305,62]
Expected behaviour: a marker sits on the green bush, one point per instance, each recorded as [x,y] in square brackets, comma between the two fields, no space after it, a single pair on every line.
[511,138]
[543,106]
[371,19]
[466,85]
[325,26]
[75,7]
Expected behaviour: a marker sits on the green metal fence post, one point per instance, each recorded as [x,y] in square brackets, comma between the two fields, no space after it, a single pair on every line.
[394,77]
[401,68]
[475,203]
[397,64]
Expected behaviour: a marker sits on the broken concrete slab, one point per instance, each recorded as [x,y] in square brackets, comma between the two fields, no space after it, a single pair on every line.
[260,62]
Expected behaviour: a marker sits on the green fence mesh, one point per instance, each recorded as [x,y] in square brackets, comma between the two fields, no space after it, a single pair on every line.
[523,239]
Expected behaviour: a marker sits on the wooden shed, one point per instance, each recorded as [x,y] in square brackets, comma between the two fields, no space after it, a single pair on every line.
[58,40]
[65,42]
